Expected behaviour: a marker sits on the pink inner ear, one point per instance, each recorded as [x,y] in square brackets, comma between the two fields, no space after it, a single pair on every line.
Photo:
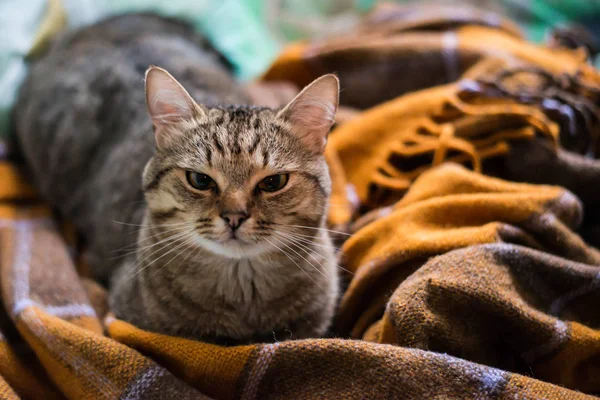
[167,100]
[168,106]
[168,103]
[312,112]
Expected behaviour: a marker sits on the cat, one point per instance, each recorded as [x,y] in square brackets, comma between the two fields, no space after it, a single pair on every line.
[229,201]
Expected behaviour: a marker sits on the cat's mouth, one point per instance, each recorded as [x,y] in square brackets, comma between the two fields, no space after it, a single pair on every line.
[233,239]
[236,247]
[233,245]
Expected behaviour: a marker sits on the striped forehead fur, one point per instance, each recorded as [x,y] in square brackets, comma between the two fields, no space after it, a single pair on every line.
[253,130]
[236,135]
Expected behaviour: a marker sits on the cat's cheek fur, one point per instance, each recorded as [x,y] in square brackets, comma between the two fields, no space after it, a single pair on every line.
[161,206]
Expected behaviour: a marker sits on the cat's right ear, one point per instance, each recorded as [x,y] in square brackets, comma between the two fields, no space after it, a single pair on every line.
[311,113]
[168,104]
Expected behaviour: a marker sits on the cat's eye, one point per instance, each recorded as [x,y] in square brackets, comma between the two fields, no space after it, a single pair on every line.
[273,183]
[200,181]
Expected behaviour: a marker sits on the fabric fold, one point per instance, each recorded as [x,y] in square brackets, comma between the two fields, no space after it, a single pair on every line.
[506,306]
[448,208]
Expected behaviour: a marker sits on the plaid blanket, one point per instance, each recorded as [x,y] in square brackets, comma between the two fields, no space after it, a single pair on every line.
[513,307]
[460,284]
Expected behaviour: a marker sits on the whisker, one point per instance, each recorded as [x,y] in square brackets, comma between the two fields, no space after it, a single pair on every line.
[170,242]
[291,259]
[145,248]
[294,233]
[295,252]
[131,246]
[302,239]
[318,229]
[187,248]
[181,228]
[191,238]
[196,251]
[306,249]
[149,225]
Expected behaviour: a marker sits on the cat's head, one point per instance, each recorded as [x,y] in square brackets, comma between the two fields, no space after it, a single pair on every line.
[240,180]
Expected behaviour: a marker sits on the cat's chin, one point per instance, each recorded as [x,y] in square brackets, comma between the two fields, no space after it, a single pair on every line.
[234,248]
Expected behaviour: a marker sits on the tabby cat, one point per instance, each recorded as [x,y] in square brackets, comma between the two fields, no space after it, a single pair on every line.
[228,202]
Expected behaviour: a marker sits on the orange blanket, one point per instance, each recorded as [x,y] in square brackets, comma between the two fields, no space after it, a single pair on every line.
[501,306]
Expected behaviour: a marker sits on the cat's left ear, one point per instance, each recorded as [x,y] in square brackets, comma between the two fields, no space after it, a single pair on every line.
[168,103]
[311,113]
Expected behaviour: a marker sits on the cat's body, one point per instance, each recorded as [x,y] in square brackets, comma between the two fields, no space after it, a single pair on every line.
[84,127]
[206,262]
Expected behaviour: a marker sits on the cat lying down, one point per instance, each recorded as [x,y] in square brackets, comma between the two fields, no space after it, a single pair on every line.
[228,202]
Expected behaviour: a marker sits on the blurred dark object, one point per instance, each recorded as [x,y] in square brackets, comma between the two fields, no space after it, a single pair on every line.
[391,18]
[574,37]
[537,162]
[563,98]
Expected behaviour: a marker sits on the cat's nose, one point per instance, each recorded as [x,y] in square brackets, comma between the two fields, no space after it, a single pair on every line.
[234,219]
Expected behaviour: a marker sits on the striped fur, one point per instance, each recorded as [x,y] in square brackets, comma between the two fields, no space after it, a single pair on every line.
[94,156]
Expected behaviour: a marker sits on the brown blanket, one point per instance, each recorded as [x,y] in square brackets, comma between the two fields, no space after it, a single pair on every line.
[510,310]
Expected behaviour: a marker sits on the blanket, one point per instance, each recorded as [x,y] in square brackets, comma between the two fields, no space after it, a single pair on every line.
[465,211]
[479,321]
